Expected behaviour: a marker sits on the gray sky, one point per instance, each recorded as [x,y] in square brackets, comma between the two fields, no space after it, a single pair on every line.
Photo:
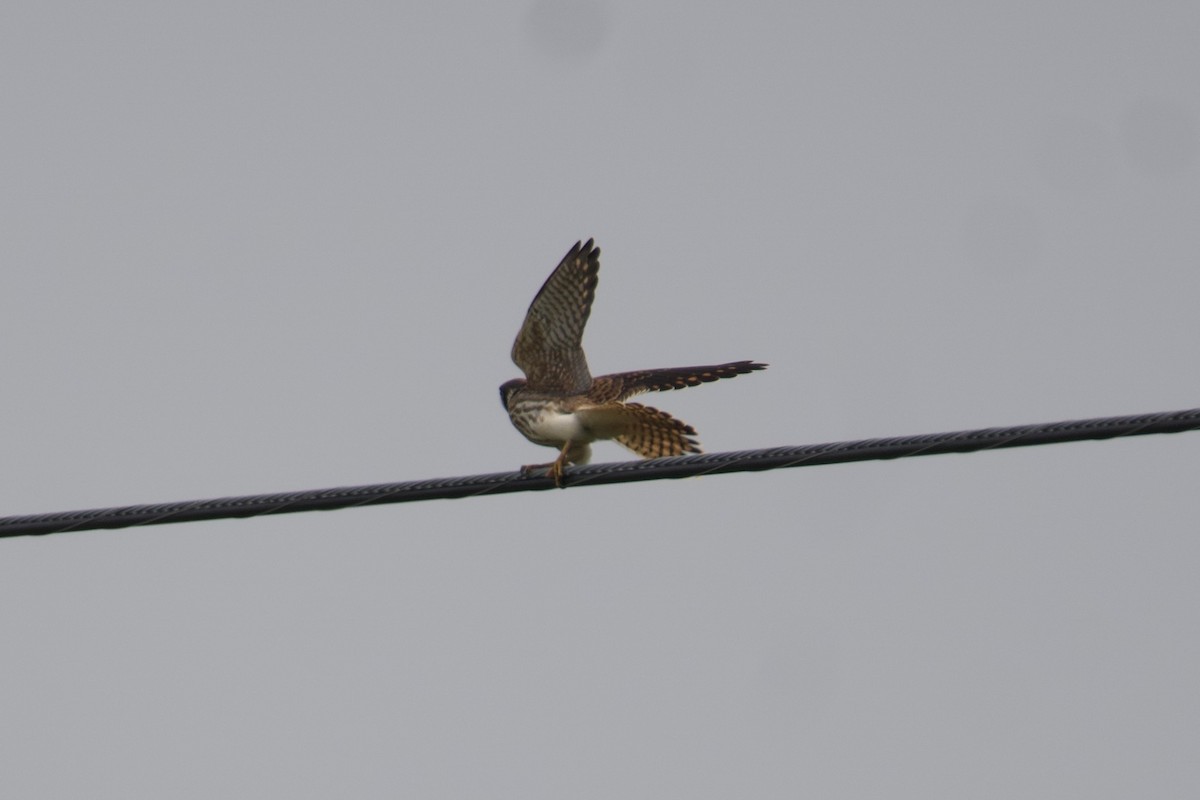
[262,247]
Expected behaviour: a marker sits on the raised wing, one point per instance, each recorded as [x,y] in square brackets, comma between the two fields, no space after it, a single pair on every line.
[623,385]
[548,348]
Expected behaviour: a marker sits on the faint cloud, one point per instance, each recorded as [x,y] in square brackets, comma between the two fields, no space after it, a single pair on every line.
[1002,235]
[567,30]
[1160,137]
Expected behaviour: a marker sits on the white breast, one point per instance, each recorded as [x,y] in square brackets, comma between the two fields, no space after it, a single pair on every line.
[554,427]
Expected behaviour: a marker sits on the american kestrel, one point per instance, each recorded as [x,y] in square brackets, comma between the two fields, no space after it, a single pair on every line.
[559,403]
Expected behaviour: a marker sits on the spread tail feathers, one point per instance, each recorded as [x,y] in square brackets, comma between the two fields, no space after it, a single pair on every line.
[646,431]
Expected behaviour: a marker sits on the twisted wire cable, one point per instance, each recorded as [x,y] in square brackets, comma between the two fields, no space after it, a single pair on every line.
[600,474]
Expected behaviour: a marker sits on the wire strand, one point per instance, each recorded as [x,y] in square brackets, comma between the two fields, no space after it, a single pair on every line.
[601,474]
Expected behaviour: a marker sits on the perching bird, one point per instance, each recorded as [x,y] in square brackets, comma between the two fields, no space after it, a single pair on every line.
[559,403]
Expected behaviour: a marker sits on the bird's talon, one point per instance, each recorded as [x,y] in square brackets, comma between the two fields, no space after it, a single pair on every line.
[554,470]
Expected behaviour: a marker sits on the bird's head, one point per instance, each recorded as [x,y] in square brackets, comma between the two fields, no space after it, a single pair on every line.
[507,388]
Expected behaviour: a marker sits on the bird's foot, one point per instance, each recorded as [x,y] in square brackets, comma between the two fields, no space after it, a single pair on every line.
[554,469]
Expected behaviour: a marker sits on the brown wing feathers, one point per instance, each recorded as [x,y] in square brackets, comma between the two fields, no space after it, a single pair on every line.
[622,385]
[548,349]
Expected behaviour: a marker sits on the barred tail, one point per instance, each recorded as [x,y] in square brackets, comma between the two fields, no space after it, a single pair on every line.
[646,431]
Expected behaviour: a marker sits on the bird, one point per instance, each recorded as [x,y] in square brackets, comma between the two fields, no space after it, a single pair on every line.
[559,404]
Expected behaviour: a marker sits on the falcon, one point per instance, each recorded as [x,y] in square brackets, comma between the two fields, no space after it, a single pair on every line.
[559,404]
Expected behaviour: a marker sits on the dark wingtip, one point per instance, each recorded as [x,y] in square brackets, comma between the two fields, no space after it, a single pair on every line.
[738,368]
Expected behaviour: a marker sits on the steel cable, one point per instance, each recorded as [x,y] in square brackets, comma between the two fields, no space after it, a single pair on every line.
[600,474]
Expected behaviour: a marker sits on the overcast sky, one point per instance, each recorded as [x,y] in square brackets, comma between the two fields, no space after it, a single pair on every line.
[253,247]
